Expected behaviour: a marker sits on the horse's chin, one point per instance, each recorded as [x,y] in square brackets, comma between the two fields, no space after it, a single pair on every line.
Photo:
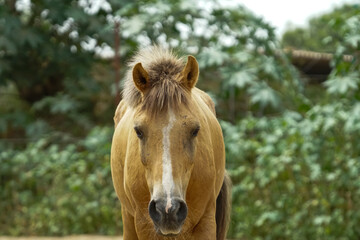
[168,233]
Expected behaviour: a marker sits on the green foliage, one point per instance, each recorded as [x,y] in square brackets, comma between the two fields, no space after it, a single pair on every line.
[323,33]
[49,189]
[50,49]
[46,38]
[296,177]
[294,163]
[344,80]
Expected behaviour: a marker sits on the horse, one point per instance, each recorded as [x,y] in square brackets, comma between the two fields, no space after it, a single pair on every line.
[167,153]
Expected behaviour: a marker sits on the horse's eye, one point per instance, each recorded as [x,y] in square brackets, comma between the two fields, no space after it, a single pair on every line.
[139,133]
[195,132]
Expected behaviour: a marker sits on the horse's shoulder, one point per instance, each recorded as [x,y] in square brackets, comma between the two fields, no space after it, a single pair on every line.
[119,112]
[207,99]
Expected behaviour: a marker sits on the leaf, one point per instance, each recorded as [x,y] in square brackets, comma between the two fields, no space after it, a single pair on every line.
[263,95]
[342,85]
[7,45]
[242,56]
[271,216]
[242,78]
[327,39]
[62,103]
[212,56]
[134,25]
[270,67]
[31,37]
[329,123]
[352,122]
[319,220]
[353,40]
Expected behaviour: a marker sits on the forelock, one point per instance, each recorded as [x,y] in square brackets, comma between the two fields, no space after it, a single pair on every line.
[166,91]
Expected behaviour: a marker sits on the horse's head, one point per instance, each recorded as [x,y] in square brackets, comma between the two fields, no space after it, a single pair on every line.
[167,129]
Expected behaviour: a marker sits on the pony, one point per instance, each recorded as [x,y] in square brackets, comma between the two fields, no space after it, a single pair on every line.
[167,153]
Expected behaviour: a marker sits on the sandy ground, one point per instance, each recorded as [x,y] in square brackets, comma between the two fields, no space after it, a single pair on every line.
[81,237]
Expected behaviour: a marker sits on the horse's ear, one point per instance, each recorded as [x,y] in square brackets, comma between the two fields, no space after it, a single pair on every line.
[140,77]
[190,73]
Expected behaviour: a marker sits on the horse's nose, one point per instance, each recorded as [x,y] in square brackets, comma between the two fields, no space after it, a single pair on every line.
[168,215]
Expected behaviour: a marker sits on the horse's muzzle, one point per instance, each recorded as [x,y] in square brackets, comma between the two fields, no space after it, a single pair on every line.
[168,219]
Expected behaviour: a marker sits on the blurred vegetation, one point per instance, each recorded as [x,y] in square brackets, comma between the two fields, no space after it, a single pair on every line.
[323,33]
[294,161]
[47,189]
[296,176]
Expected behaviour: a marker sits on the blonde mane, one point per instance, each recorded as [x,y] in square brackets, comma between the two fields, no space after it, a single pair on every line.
[166,90]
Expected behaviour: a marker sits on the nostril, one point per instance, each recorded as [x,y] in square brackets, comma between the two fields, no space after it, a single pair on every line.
[182,212]
[154,213]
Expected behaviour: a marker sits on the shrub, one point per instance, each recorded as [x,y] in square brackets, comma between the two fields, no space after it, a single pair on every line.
[47,189]
[296,177]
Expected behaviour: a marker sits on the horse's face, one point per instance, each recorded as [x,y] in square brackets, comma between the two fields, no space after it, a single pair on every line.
[167,148]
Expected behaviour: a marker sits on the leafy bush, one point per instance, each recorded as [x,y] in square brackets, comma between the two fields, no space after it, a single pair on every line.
[323,33]
[47,189]
[296,177]
[344,79]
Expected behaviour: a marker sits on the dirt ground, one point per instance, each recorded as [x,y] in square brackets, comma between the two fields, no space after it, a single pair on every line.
[81,237]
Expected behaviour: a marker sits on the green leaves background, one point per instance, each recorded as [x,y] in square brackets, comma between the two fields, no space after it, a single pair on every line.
[292,152]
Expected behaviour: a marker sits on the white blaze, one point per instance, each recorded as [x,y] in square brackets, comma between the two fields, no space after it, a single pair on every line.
[167,177]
